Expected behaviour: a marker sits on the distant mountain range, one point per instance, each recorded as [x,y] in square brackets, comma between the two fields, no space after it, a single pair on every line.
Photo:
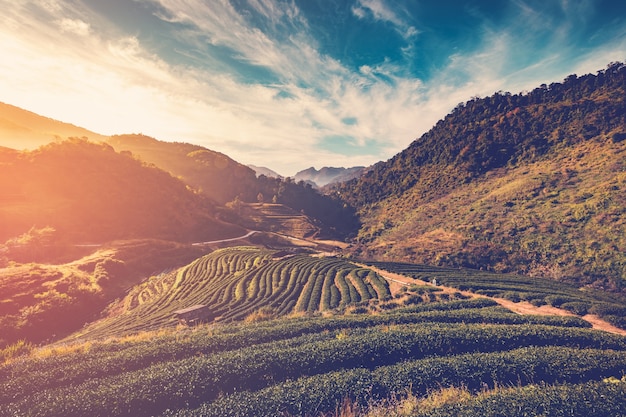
[328,175]
[265,171]
[316,178]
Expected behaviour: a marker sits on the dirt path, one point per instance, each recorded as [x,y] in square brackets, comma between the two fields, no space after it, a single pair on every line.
[397,281]
[600,324]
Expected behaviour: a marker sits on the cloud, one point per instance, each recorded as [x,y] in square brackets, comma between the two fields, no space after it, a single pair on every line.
[379,10]
[75,26]
[69,64]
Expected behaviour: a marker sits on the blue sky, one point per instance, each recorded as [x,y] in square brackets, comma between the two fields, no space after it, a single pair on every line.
[290,84]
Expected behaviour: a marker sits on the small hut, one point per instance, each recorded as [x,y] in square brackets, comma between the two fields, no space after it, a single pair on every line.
[193,315]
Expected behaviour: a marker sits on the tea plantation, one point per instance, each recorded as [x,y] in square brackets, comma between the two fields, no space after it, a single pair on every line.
[312,363]
[238,282]
[538,291]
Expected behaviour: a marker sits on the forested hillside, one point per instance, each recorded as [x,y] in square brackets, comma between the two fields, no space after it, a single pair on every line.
[214,174]
[224,180]
[88,192]
[531,182]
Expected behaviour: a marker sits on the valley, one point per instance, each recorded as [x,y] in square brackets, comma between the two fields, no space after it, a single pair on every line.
[480,272]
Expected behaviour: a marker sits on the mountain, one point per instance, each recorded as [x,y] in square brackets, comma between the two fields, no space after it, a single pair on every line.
[531,183]
[223,180]
[214,174]
[88,192]
[328,175]
[264,171]
[22,129]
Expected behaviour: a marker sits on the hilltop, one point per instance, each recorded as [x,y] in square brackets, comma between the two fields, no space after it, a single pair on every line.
[22,129]
[530,183]
[87,192]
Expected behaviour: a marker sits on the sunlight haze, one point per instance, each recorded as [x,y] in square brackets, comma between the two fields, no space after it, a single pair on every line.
[290,84]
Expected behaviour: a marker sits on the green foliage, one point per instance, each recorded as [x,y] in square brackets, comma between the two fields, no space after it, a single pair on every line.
[306,364]
[529,183]
[98,382]
[517,288]
[474,371]
[587,399]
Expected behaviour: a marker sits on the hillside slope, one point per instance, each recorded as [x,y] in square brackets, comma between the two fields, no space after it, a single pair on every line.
[224,180]
[531,183]
[88,192]
[45,302]
[214,174]
[240,283]
[506,364]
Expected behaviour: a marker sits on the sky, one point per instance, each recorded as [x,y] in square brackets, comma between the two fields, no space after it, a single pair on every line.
[290,84]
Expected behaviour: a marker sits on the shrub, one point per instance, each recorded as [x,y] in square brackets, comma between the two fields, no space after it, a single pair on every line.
[512,296]
[577,307]
[412,299]
[557,300]
[537,302]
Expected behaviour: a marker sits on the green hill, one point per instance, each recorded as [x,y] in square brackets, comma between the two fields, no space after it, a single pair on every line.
[530,183]
[223,180]
[88,192]
[240,283]
[214,174]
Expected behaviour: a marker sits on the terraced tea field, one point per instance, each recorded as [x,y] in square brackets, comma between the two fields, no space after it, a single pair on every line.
[537,291]
[280,219]
[237,282]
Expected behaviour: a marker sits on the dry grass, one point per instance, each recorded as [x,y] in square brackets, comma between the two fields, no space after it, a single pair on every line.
[14,351]
[410,404]
[262,314]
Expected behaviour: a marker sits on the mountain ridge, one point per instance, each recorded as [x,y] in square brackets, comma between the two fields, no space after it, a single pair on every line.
[561,145]
[328,175]
[88,192]
[23,129]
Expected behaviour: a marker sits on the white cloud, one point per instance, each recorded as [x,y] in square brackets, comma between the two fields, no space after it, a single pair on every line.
[75,26]
[379,10]
[116,85]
